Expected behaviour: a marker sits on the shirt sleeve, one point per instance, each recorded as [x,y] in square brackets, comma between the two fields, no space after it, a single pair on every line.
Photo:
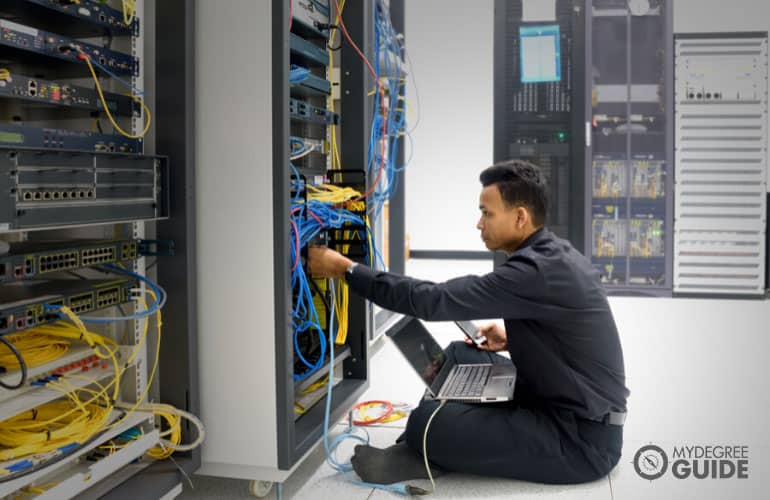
[510,291]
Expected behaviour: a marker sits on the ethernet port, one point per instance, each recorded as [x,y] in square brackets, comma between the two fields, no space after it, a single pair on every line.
[47,195]
[91,193]
[18,272]
[56,195]
[21,323]
[81,194]
[73,195]
[27,196]
[3,323]
[38,195]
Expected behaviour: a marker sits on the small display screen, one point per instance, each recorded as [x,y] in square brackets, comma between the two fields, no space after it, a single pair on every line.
[540,54]
[11,137]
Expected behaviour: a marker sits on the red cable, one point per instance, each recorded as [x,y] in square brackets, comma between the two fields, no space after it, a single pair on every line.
[388,411]
[344,29]
[313,215]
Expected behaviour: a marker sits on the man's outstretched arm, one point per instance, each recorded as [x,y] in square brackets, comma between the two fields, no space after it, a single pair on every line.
[505,293]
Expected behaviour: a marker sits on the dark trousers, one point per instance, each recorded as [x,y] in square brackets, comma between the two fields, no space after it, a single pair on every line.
[523,439]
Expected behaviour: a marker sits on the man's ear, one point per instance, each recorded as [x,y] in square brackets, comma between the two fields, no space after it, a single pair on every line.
[522,216]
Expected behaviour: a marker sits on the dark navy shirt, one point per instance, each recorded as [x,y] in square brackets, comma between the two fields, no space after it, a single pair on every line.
[561,333]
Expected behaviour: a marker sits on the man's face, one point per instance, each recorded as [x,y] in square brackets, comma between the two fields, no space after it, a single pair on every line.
[502,227]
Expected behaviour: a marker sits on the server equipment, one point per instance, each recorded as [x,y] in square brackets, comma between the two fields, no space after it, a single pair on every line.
[720,239]
[33,259]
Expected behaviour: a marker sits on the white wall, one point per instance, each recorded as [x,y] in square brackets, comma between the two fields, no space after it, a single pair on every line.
[450,43]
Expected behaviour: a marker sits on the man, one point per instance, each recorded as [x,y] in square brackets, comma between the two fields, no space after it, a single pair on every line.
[565,423]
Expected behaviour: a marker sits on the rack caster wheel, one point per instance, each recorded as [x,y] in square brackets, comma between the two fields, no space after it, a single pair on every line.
[260,489]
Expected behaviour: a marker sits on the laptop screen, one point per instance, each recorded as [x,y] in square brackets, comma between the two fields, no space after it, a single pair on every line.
[420,349]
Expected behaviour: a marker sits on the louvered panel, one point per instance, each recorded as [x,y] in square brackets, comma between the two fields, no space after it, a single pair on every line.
[720,165]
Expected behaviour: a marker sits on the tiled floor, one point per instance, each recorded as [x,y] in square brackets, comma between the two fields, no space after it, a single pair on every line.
[697,374]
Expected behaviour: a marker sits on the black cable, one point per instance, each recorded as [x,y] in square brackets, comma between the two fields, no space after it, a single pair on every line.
[22,365]
[329,26]
[73,273]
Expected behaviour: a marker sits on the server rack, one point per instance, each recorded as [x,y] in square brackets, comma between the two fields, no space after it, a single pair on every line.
[601,130]
[541,122]
[246,189]
[56,98]
[629,145]
[721,164]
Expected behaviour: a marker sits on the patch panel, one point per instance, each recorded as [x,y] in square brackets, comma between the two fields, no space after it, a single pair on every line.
[39,91]
[22,307]
[47,45]
[52,138]
[76,359]
[81,18]
[31,259]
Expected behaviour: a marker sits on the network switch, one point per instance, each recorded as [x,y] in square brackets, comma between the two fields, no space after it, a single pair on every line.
[300,110]
[311,13]
[308,50]
[23,306]
[31,259]
[50,46]
[39,91]
[81,18]
[53,138]
[312,85]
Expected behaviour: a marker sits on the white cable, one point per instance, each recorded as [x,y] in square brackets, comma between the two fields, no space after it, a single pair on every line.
[425,446]
[189,416]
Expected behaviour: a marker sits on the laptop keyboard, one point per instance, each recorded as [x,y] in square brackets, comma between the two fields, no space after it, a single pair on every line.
[468,381]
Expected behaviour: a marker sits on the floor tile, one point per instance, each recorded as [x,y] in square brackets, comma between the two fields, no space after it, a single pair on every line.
[463,486]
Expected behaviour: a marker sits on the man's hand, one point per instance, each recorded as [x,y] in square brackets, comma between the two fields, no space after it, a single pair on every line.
[326,263]
[496,338]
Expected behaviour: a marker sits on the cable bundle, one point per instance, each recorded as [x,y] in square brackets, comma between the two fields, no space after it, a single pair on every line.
[35,348]
[308,220]
[50,427]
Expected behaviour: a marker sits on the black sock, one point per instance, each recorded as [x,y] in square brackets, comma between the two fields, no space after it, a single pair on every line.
[390,465]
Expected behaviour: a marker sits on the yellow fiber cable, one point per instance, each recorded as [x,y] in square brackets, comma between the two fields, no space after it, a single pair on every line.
[122,132]
[36,349]
[129,11]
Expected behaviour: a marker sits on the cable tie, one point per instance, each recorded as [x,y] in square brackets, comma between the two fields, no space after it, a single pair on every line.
[48,434]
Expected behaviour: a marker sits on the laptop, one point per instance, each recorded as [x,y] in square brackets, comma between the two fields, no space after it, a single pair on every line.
[472,383]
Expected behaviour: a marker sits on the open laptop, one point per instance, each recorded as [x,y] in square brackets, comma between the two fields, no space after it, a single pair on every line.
[477,383]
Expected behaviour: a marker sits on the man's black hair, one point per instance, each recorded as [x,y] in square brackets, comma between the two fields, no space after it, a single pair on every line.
[520,183]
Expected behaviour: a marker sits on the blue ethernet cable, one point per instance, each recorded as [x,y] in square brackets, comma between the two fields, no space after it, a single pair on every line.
[160,299]
[330,446]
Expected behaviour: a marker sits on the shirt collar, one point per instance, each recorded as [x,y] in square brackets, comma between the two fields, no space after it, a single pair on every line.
[531,239]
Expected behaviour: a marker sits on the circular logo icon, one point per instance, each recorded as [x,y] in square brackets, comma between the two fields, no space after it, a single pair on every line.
[650,462]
